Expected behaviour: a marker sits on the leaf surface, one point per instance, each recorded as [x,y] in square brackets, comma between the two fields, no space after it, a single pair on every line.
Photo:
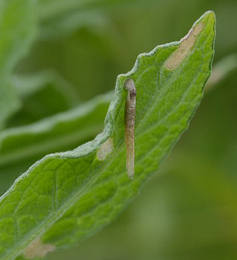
[66,197]
[20,147]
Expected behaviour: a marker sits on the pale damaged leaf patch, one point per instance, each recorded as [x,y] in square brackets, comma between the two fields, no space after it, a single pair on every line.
[37,249]
[105,149]
[186,45]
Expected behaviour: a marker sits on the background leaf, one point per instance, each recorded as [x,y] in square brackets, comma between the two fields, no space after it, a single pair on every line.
[20,147]
[17,29]
[43,94]
[60,18]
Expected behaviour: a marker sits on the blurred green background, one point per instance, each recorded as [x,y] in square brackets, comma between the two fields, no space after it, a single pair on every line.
[188,210]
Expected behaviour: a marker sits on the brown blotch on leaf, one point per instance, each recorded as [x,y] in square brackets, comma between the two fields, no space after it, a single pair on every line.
[37,249]
[186,44]
[105,149]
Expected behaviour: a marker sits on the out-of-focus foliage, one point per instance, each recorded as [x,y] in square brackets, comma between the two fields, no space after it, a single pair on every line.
[23,146]
[189,210]
[43,94]
[17,28]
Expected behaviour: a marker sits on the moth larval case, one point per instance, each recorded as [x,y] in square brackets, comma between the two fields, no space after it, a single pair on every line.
[130,114]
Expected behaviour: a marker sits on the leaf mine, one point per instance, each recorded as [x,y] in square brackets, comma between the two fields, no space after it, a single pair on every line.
[105,149]
[187,43]
[37,249]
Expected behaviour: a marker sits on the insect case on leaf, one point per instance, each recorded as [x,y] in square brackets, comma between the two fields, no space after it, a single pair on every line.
[130,113]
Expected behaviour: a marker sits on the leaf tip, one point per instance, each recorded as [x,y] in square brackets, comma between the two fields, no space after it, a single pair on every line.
[210,14]
[184,48]
[187,42]
[208,17]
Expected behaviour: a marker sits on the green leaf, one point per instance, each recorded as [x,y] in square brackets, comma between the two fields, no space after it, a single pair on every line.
[66,197]
[67,23]
[54,8]
[17,29]
[20,147]
[59,18]
[43,94]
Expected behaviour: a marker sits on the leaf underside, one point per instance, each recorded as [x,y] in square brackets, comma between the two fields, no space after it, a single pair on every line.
[66,197]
